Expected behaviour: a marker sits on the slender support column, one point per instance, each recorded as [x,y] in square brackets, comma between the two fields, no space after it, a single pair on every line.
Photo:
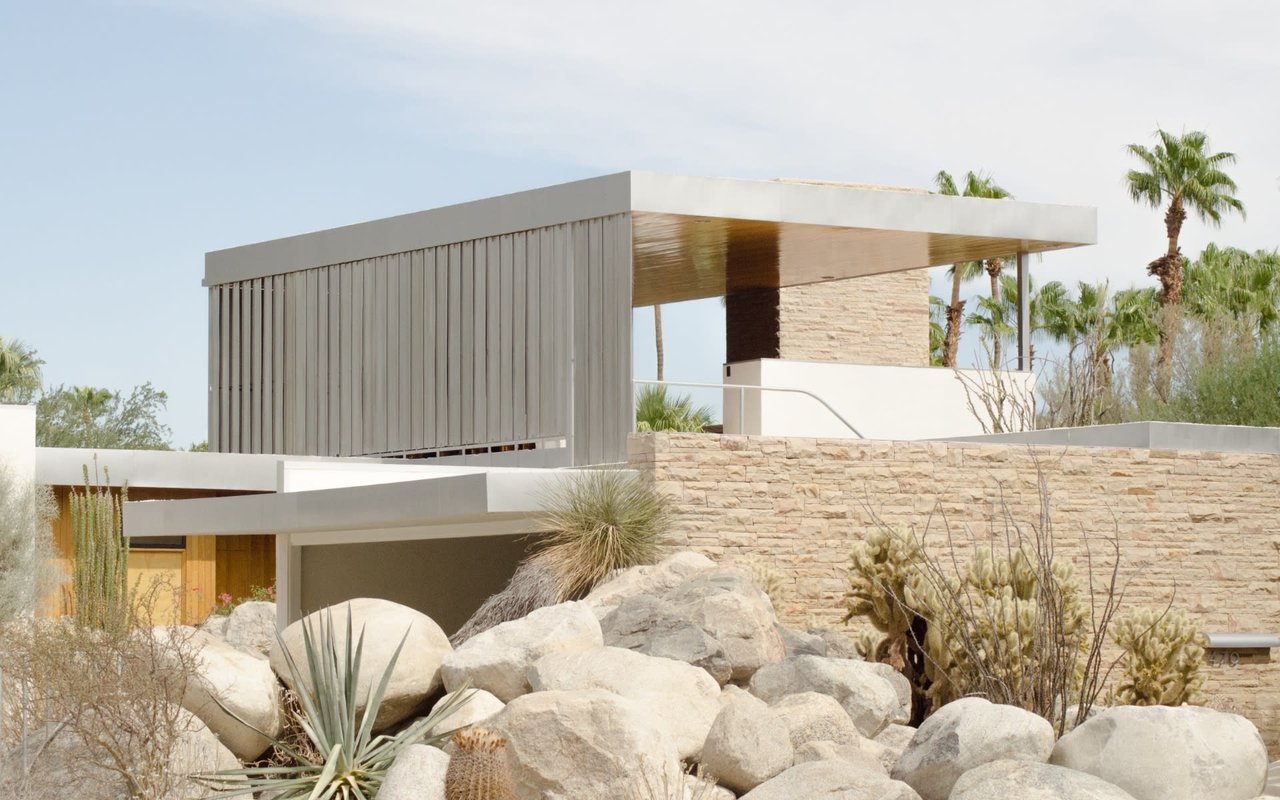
[288,581]
[1024,311]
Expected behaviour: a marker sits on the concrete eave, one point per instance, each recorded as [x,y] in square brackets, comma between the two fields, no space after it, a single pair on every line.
[448,500]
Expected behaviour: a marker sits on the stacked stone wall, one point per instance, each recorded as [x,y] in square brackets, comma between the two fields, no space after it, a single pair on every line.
[1201,526]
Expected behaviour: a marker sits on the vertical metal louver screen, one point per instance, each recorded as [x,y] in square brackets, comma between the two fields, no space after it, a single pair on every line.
[505,340]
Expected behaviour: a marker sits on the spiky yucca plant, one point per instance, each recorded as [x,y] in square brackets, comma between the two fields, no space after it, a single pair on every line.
[352,762]
[602,521]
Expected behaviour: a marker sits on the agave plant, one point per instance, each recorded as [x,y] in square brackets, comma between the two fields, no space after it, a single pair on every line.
[352,762]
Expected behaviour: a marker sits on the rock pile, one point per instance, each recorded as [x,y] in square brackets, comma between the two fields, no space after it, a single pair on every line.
[685,662]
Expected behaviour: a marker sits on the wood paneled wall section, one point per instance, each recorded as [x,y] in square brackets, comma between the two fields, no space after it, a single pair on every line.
[503,340]
[244,562]
[202,562]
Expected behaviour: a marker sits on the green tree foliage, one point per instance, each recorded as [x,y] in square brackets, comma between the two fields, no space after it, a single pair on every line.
[1225,378]
[657,411]
[86,416]
[19,372]
[1180,173]
[974,185]
[937,332]
[1229,282]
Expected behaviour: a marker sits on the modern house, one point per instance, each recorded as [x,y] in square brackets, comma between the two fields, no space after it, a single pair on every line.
[497,335]
[417,382]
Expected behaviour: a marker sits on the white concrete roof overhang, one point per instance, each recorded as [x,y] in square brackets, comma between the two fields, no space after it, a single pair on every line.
[701,237]
[448,506]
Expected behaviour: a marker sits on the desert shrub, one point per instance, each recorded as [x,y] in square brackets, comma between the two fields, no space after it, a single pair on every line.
[100,574]
[1009,625]
[342,759]
[598,522]
[97,709]
[257,594]
[26,546]
[1163,659]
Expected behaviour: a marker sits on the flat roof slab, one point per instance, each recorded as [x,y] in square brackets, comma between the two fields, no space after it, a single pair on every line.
[702,237]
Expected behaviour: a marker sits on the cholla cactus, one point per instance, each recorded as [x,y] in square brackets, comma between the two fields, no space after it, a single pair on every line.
[1163,658]
[975,633]
[477,767]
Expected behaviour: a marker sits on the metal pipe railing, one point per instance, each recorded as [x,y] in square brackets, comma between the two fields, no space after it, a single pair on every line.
[742,393]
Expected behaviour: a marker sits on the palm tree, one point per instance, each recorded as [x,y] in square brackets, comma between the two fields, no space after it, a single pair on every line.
[975,185]
[656,411]
[657,336]
[937,318]
[1229,281]
[1180,171]
[19,372]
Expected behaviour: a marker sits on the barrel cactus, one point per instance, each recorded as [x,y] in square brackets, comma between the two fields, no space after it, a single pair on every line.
[478,767]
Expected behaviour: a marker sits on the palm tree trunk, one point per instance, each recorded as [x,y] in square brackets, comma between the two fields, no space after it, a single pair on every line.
[955,311]
[994,267]
[657,337]
[1168,268]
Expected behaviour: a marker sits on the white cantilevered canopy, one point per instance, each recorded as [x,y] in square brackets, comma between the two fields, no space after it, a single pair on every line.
[358,502]
[696,237]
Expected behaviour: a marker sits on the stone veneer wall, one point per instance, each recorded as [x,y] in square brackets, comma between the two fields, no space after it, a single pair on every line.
[878,319]
[1206,523]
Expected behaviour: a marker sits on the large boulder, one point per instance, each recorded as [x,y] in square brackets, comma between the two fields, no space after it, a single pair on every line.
[1167,753]
[732,610]
[895,738]
[865,753]
[965,734]
[648,580]
[498,660]
[416,774]
[1030,780]
[900,685]
[747,745]
[216,624]
[477,707]
[869,700]
[653,626]
[232,692]
[815,717]
[582,744]
[801,643]
[683,698]
[384,625]
[834,779]
[252,627]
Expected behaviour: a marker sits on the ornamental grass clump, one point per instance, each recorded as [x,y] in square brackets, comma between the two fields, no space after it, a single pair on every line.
[1163,661]
[598,522]
[343,760]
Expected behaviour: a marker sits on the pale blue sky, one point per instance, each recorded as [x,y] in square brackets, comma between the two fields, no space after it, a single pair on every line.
[138,135]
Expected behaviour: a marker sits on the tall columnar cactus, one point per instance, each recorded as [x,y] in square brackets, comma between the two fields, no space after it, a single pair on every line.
[101,570]
[478,767]
[1163,658]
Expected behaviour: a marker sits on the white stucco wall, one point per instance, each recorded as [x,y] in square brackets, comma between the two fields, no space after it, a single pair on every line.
[881,402]
[18,439]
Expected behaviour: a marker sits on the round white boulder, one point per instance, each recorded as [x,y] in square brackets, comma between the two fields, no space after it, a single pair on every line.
[747,745]
[1166,753]
[384,625]
[1030,780]
[683,698]
[869,700]
[965,734]
[498,660]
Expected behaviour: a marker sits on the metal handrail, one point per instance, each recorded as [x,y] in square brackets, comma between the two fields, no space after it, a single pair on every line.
[742,397]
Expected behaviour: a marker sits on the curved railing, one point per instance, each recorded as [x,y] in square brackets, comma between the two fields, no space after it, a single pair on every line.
[742,393]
